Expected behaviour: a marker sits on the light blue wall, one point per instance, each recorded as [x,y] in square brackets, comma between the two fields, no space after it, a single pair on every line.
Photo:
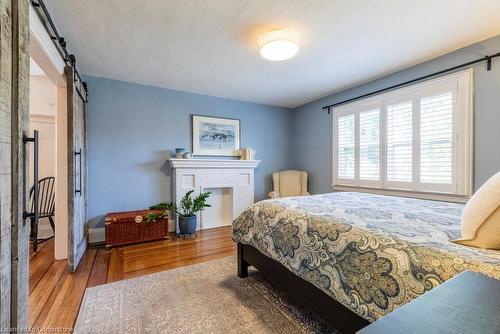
[132,127]
[312,127]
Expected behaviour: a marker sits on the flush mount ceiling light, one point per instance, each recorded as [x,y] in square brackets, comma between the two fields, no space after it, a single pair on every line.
[279,44]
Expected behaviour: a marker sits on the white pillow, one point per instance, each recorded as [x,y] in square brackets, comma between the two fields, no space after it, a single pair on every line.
[481,216]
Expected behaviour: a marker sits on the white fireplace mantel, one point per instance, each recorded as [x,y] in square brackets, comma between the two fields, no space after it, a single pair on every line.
[231,183]
[213,163]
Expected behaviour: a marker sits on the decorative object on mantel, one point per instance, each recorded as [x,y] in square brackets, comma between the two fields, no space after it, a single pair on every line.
[189,207]
[131,227]
[179,153]
[216,136]
[188,155]
[247,154]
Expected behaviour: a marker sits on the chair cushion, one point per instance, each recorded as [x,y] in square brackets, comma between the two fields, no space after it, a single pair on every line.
[290,183]
[481,217]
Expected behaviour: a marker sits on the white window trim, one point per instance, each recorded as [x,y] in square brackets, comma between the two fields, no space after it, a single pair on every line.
[461,188]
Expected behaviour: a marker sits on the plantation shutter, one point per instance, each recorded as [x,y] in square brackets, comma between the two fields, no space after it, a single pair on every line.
[369,145]
[346,146]
[436,139]
[400,142]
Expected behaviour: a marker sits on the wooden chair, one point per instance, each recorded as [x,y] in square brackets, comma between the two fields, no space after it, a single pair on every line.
[289,183]
[46,207]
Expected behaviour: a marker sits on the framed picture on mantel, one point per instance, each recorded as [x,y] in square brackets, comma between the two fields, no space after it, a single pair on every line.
[216,136]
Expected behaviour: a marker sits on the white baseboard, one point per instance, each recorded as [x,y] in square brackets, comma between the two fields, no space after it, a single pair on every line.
[96,235]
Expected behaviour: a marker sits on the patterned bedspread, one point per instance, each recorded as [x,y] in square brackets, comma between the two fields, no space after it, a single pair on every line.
[372,253]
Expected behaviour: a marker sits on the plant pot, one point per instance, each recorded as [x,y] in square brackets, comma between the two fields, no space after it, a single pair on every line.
[187,225]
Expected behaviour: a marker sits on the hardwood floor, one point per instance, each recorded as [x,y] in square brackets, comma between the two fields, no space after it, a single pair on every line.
[55,295]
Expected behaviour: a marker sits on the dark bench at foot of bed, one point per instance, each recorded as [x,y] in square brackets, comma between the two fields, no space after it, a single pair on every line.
[467,303]
[332,312]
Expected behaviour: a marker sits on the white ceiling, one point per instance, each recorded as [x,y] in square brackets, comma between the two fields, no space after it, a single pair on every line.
[210,46]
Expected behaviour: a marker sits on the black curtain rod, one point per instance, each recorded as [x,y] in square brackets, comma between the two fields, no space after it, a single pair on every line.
[487,59]
[59,41]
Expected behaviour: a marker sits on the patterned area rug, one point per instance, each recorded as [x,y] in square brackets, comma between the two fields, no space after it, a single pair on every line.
[203,298]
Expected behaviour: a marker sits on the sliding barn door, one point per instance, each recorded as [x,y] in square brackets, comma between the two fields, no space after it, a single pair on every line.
[14,124]
[77,169]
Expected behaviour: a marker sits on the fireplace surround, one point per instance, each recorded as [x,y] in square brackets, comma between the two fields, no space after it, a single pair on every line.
[230,181]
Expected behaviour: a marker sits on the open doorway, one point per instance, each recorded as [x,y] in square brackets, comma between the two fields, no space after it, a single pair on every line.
[42,117]
[58,109]
[48,50]
[48,245]
[48,235]
[48,261]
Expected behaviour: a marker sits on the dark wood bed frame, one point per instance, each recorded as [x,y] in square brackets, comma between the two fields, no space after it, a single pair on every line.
[331,311]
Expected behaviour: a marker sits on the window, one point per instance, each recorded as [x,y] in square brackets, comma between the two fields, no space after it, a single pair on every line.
[417,139]
[346,146]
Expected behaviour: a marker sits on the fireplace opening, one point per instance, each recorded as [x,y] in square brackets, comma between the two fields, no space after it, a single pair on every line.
[221,211]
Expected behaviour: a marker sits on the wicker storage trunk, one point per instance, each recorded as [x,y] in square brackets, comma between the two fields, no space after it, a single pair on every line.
[131,227]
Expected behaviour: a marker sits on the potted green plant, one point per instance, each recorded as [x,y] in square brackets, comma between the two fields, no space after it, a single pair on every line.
[187,213]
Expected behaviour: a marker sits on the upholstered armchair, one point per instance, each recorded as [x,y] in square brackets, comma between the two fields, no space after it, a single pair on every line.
[289,183]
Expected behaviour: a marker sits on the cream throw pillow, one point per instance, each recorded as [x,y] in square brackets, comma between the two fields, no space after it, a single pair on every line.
[481,217]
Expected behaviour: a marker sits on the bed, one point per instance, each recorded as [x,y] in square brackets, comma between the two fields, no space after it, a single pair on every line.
[354,257]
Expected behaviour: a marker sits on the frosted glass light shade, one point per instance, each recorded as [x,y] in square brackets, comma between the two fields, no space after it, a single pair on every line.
[279,44]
